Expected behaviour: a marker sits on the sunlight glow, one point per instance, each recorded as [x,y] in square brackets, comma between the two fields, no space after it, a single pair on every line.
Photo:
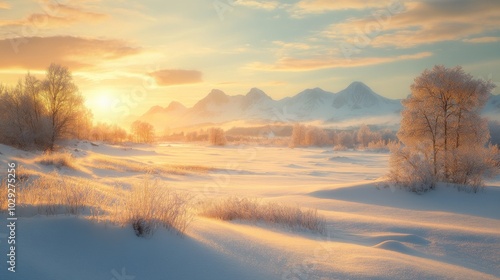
[101,103]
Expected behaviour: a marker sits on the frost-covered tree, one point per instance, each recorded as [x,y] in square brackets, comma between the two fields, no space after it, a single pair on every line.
[217,136]
[37,113]
[64,103]
[298,135]
[108,133]
[344,140]
[143,132]
[441,124]
[365,136]
[308,136]
[316,136]
[24,122]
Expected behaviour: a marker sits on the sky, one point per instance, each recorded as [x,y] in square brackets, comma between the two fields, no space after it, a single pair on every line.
[127,56]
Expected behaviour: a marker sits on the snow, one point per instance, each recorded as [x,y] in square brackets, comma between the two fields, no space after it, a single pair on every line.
[374,231]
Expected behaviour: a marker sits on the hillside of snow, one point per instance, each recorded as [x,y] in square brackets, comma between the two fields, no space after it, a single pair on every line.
[373,231]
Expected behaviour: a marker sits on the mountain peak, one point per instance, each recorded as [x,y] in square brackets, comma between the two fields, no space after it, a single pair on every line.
[255,90]
[216,93]
[253,97]
[155,109]
[357,86]
[216,97]
[356,96]
[314,93]
[256,93]
[175,106]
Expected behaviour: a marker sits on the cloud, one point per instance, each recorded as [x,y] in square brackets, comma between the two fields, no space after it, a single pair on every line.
[170,77]
[292,45]
[420,22]
[75,52]
[54,15]
[264,5]
[480,40]
[4,5]
[294,64]
[304,7]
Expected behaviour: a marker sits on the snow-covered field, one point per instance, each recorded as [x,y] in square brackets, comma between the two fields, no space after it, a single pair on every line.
[373,231]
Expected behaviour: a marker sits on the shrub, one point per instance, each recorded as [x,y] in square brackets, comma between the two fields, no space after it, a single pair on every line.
[345,139]
[471,165]
[150,205]
[58,160]
[234,208]
[410,170]
[378,146]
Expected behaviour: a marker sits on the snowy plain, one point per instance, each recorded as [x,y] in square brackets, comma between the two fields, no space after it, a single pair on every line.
[373,231]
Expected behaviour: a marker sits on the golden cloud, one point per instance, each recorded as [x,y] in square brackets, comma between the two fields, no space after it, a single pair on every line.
[170,77]
[480,40]
[304,7]
[418,23]
[4,5]
[54,15]
[294,64]
[265,5]
[75,52]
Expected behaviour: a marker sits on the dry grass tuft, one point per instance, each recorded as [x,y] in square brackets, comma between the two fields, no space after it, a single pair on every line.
[58,160]
[138,167]
[235,208]
[150,205]
[52,195]
[147,206]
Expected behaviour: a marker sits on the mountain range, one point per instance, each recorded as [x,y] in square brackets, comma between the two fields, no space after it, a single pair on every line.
[355,104]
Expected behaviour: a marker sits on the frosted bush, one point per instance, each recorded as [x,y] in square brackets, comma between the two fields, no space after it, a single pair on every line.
[150,205]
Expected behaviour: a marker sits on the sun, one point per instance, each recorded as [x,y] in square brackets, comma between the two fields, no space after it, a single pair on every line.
[101,103]
[104,102]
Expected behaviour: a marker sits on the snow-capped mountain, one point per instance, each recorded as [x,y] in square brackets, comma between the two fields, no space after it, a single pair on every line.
[359,96]
[357,103]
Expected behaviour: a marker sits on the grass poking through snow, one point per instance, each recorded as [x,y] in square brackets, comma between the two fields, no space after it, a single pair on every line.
[147,206]
[235,208]
[139,167]
[58,160]
[150,205]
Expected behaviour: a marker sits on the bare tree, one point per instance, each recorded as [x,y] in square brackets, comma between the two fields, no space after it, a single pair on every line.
[364,136]
[316,136]
[298,135]
[344,140]
[441,123]
[143,132]
[64,102]
[82,127]
[24,121]
[217,136]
